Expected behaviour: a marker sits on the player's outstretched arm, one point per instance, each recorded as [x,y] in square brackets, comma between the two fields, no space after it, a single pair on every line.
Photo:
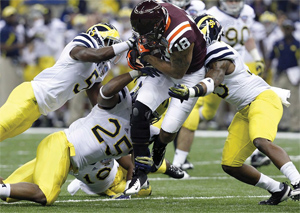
[85,54]
[109,97]
[98,55]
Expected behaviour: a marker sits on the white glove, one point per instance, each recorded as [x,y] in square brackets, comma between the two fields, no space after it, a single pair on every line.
[131,41]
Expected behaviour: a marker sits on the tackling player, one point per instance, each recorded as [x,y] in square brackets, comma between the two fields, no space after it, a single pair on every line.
[254,125]
[102,135]
[237,19]
[83,64]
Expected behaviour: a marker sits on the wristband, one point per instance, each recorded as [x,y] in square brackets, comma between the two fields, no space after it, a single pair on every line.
[134,74]
[210,85]
[120,47]
[103,96]
[196,91]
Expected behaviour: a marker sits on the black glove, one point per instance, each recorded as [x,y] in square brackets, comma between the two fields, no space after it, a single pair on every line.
[150,71]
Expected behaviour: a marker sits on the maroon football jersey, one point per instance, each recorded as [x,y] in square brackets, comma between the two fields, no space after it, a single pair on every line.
[181,32]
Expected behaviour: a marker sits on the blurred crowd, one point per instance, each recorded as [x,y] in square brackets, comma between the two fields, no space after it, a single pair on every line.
[34,32]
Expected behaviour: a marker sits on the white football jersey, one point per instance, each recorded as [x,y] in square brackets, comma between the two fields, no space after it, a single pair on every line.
[236,30]
[98,177]
[54,86]
[240,87]
[103,134]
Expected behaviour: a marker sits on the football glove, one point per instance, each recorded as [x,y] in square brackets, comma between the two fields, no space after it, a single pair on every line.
[133,61]
[179,91]
[131,42]
[149,71]
[260,67]
[143,50]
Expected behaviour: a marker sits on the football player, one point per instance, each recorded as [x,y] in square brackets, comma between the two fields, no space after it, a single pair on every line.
[168,40]
[254,125]
[236,19]
[183,141]
[103,134]
[83,64]
[109,177]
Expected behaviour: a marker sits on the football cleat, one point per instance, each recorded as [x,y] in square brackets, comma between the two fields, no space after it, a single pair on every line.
[174,172]
[295,194]
[187,165]
[278,197]
[186,175]
[146,190]
[74,186]
[259,160]
[138,182]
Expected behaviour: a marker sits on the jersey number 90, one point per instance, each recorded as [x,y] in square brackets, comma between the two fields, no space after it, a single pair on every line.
[234,36]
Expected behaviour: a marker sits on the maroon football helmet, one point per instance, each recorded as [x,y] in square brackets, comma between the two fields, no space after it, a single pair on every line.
[148,20]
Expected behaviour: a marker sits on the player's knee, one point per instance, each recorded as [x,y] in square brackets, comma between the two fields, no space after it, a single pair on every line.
[140,125]
[228,169]
[166,137]
[39,197]
[263,144]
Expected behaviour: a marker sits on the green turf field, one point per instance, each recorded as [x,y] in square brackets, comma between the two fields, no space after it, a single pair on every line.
[208,190]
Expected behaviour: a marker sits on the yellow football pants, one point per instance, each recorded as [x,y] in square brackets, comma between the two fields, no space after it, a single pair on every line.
[257,120]
[19,111]
[49,169]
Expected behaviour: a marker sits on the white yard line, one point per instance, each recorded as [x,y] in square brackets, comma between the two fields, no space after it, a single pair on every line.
[148,198]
